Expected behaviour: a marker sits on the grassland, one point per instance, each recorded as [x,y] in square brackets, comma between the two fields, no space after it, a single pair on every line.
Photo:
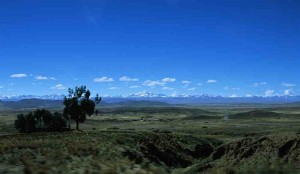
[186,139]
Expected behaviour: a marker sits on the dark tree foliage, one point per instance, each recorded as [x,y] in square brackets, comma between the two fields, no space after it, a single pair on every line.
[30,122]
[43,118]
[58,122]
[40,120]
[20,123]
[96,112]
[78,104]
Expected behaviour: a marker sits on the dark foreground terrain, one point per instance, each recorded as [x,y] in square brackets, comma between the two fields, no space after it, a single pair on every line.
[161,140]
[134,152]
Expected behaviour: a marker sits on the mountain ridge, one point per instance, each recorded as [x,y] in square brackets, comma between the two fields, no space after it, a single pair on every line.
[171,99]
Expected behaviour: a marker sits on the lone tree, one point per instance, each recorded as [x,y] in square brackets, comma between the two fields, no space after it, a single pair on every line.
[78,104]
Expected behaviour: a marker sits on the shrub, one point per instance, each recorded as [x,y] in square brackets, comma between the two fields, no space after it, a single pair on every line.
[41,120]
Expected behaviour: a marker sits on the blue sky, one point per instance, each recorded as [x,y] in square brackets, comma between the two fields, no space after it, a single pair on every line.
[220,47]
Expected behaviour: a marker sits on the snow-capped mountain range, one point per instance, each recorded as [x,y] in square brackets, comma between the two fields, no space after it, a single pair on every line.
[173,99]
[146,94]
[22,97]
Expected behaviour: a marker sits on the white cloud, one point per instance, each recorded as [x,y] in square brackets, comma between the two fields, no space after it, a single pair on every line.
[263,83]
[233,96]
[289,92]
[153,83]
[41,78]
[44,78]
[211,81]
[234,89]
[103,79]
[288,84]
[259,84]
[112,88]
[58,86]
[248,95]
[186,82]
[192,89]
[134,86]
[168,79]
[18,75]
[269,93]
[167,88]
[127,79]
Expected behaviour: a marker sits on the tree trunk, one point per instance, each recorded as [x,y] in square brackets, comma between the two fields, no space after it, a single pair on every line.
[77,125]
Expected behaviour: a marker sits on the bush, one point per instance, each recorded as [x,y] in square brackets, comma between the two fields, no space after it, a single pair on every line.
[58,122]
[41,120]
[20,123]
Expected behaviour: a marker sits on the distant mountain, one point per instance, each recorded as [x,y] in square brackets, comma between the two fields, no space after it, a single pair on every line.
[22,97]
[230,100]
[173,99]
[31,104]
[53,97]
[146,94]
[55,104]
[142,103]
[207,99]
